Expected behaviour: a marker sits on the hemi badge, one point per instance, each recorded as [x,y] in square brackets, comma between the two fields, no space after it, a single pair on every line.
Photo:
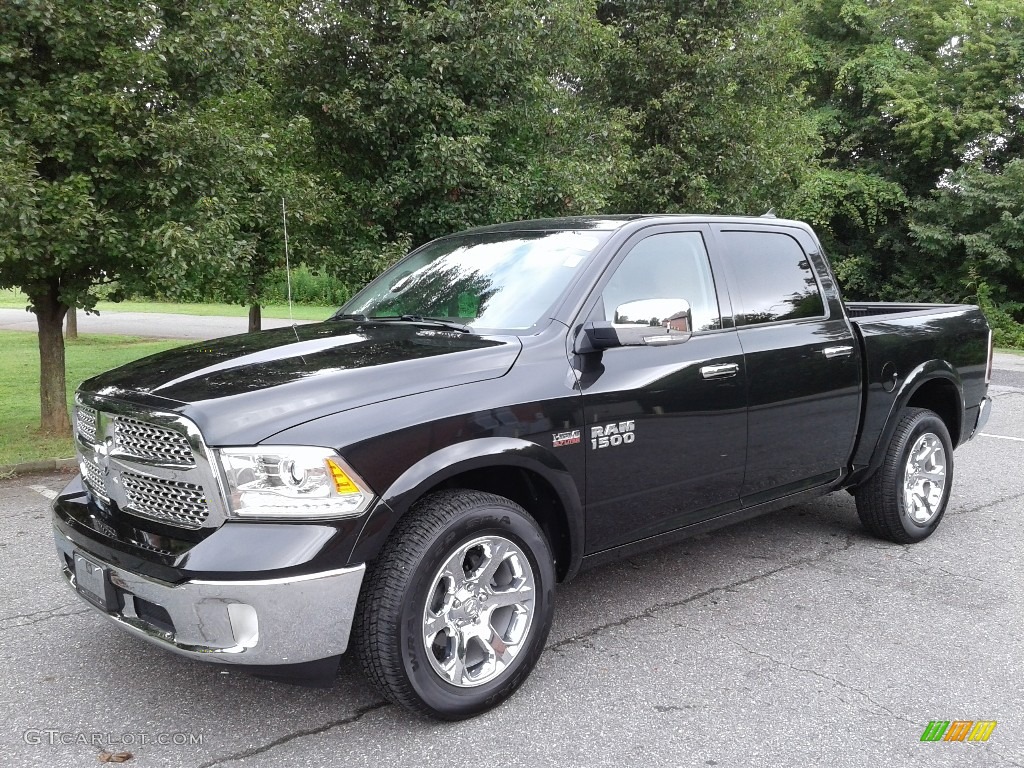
[558,439]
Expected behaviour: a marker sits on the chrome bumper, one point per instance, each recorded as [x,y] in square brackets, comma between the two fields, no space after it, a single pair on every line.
[984,411]
[265,622]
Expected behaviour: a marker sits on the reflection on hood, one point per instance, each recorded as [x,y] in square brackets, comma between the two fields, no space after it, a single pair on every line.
[274,379]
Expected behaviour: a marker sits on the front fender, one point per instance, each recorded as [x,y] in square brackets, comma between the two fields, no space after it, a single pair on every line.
[452,460]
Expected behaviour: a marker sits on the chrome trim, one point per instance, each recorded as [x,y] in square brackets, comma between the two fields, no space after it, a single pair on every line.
[834,352]
[724,371]
[188,470]
[665,340]
[984,411]
[142,440]
[94,478]
[267,621]
[85,421]
[172,501]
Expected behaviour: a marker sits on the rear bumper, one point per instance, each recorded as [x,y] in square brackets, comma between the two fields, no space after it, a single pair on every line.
[278,621]
[984,411]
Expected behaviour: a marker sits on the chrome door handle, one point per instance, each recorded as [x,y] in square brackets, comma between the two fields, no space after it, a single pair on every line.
[724,371]
[833,352]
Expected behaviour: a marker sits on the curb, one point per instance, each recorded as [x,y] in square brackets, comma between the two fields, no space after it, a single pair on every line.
[31,467]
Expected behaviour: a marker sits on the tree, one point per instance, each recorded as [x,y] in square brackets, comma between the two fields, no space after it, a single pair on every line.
[245,156]
[920,107]
[91,99]
[971,231]
[438,116]
[245,150]
[716,113]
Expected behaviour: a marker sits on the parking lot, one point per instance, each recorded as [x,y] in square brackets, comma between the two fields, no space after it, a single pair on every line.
[790,640]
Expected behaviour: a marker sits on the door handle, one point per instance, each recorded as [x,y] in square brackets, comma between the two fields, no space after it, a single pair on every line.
[833,352]
[724,371]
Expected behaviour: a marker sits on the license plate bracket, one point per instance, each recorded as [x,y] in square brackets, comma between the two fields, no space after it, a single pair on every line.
[93,583]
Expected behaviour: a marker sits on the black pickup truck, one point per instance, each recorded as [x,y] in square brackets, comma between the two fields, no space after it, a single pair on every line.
[499,409]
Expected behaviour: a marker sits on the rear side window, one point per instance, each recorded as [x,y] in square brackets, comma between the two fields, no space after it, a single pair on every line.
[772,277]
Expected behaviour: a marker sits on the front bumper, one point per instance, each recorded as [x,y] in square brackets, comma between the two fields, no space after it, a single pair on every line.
[278,621]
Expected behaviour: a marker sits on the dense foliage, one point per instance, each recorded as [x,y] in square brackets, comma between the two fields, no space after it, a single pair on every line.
[711,91]
[96,109]
[432,117]
[152,143]
[920,104]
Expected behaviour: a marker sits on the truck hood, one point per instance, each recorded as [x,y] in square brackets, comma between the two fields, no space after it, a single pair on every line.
[242,389]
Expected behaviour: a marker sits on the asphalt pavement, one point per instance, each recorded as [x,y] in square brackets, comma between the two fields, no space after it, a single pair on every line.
[791,640]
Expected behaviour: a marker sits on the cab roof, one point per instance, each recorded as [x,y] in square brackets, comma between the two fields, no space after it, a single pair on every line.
[613,222]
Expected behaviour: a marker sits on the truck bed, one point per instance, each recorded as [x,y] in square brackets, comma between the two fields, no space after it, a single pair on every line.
[857,309]
[904,340]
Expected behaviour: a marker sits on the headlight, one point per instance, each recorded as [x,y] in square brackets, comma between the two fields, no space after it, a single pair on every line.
[291,482]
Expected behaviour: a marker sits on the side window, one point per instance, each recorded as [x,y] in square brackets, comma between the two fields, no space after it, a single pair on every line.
[772,277]
[673,265]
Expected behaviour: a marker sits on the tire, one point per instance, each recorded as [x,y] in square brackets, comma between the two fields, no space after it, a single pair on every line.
[423,616]
[905,500]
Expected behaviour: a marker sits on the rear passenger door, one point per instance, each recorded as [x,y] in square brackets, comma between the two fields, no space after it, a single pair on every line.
[802,360]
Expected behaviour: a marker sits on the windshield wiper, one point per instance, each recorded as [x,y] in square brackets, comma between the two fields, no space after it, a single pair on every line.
[357,317]
[421,320]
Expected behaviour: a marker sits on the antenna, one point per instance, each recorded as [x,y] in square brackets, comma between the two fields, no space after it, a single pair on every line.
[769,214]
[287,261]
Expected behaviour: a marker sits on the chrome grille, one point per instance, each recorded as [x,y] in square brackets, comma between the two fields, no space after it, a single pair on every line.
[93,476]
[168,501]
[152,548]
[85,422]
[151,442]
[147,463]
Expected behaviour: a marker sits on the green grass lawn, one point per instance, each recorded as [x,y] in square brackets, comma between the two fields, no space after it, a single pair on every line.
[19,386]
[14,299]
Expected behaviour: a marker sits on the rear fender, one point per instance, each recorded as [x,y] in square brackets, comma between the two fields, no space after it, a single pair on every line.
[924,374]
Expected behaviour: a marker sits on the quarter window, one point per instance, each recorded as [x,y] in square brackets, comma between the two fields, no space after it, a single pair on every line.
[772,277]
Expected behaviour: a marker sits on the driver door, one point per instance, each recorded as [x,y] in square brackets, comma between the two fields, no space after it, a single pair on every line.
[665,424]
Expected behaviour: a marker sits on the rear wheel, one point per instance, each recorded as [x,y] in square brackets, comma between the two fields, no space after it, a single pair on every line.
[904,501]
[455,611]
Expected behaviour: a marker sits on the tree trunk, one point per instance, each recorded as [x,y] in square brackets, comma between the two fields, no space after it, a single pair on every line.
[53,393]
[255,317]
[71,328]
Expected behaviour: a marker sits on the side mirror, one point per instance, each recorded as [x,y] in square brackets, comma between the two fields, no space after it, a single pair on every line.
[647,322]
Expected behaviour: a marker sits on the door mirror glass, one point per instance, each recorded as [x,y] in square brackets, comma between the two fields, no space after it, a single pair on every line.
[671,314]
[645,322]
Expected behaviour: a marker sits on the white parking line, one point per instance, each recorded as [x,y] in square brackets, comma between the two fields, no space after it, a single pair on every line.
[42,489]
[1002,437]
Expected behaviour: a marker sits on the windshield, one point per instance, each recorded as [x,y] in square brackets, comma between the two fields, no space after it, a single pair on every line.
[494,280]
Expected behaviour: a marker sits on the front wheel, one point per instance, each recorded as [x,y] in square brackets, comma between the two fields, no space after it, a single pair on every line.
[456,609]
[904,501]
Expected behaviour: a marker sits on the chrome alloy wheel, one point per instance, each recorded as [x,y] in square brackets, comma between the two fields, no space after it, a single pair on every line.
[479,611]
[924,479]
